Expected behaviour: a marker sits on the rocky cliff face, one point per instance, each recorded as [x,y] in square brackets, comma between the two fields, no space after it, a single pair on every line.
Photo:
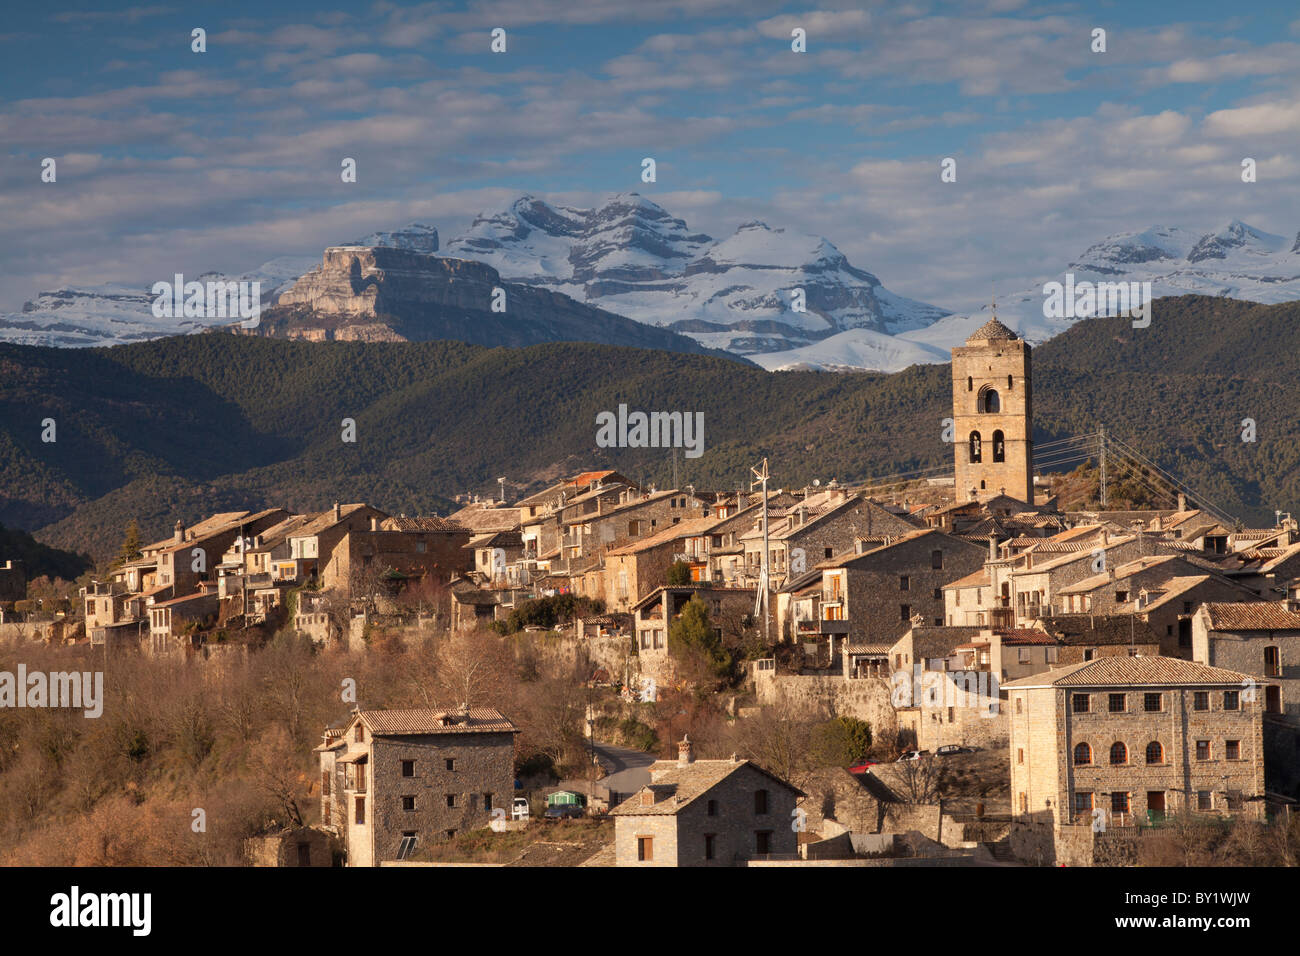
[375,294]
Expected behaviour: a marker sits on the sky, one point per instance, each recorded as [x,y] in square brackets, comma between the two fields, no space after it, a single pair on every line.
[168,160]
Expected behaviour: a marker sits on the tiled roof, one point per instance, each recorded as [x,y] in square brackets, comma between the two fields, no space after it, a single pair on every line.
[976,579]
[420,523]
[1251,616]
[1125,671]
[326,520]
[992,329]
[426,720]
[482,517]
[675,787]
[929,643]
[1084,629]
[683,529]
[1020,636]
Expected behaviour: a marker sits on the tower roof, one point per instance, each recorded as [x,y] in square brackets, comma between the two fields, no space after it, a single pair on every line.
[992,329]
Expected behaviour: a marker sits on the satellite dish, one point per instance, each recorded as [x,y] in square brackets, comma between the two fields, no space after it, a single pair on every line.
[817,482]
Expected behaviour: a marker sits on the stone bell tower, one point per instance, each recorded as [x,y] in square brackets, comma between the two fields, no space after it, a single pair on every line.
[993,427]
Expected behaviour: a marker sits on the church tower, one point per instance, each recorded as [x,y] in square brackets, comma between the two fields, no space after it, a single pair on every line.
[993,428]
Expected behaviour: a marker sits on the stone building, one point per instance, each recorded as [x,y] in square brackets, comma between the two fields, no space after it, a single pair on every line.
[878,591]
[292,846]
[392,780]
[1134,738]
[706,813]
[992,415]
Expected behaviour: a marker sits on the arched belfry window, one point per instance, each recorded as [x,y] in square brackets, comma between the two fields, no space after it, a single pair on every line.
[989,402]
[976,452]
[999,449]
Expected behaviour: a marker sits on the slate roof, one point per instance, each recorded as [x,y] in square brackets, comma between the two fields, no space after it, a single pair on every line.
[675,787]
[1125,671]
[1251,616]
[992,329]
[427,720]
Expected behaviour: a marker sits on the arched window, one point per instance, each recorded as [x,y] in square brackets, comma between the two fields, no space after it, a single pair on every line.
[989,401]
[1009,383]
[999,451]
[976,452]
[1118,753]
[1155,753]
[1082,755]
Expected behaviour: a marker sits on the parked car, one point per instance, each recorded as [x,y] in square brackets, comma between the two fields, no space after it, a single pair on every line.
[519,809]
[912,755]
[949,749]
[862,767]
[565,811]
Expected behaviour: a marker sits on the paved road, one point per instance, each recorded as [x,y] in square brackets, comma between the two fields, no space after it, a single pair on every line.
[628,770]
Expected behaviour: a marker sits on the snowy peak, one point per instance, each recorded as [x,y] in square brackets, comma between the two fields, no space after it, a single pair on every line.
[1235,237]
[632,257]
[415,237]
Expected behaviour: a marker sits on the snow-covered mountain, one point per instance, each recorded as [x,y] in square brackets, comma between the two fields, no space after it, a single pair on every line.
[1235,260]
[631,257]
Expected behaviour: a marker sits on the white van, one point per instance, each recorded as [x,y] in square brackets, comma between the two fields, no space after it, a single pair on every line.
[519,809]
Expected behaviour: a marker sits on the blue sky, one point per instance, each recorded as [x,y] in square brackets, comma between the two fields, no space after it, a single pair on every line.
[172,161]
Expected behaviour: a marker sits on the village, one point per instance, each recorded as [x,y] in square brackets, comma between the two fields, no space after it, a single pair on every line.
[1037,686]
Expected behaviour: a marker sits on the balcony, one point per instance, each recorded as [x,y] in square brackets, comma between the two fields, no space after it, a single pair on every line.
[811,628]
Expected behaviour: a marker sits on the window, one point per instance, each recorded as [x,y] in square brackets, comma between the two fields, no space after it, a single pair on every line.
[1020,705]
[989,403]
[487,802]
[1118,753]
[453,800]
[937,594]
[408,803]
[449,833]
[1202,750]
[975,455]
[1204,800]
[1155,752]
[304,854]
[1024,803]
[970,384]
[325,783]
[408,768]
[1009,383]
[709,840]
[713,808]
[760,802]
[360,817]
[451,763]
[1231,700]
[1083,803]
[763,842]
[1272,662]
[1232,749]
[829,552]
[936,560]
[1121,596]
[645,849]
[999,447]
[1119,802]
[1022,655]
[1079,703]
[904,583]
[904,612]
[1201,700]
[1153,703]
[1020,755]
[1082,755]
[407,846]
[421,547]
[1116,703]
[359,735]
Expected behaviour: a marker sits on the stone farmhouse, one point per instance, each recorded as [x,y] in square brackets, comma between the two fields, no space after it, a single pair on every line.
[394,780]
[706,813]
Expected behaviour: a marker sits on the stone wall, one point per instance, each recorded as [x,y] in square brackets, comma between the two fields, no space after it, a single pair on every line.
[831,696]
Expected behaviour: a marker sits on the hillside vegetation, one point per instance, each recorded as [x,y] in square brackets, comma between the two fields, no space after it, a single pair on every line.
[185,426]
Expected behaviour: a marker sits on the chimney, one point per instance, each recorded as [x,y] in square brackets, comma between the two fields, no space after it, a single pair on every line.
[1182,501]
[993,547]
[338,512]
[1029,560]
[179,533]
[1105,537]
[374,523]
[685,751]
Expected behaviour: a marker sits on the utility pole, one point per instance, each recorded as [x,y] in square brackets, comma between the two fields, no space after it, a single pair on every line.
[1101,434]
[760,605]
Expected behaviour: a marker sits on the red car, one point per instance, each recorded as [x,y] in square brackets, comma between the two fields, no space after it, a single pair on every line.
[862,767]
